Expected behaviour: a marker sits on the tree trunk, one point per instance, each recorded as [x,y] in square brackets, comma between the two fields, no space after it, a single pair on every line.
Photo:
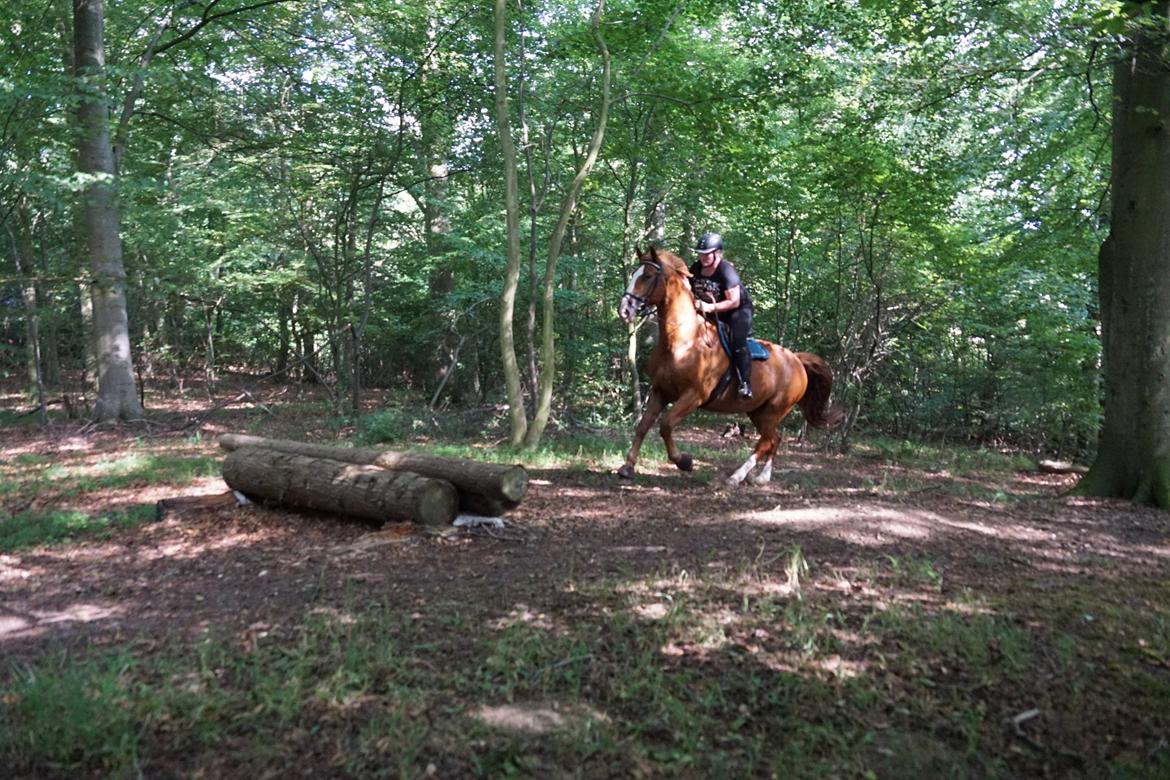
[117,398]
[1133,456]
[365,492]
[22,246]
[500,486]
[517,416]
[543,405]
[49,360]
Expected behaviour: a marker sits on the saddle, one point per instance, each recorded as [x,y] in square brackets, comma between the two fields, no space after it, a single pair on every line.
[757,350]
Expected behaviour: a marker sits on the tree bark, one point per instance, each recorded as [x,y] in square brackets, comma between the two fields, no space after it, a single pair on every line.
[517,416]
[1133,456]
[499,486]
[22,254]
[365,492]
[543,406]
[117,398]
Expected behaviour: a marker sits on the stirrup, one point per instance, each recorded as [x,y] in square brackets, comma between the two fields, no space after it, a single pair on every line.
[745,390]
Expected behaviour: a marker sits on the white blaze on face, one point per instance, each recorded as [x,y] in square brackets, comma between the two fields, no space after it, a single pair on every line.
[628,310]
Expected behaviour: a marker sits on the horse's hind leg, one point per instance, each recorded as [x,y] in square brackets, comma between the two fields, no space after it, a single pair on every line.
[654,406]
[741,472]
[767,424]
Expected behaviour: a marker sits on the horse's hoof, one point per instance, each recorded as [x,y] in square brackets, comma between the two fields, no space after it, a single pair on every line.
[626,472]
[686,462]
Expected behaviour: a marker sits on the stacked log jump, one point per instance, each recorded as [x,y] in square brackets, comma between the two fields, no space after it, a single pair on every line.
[372,484]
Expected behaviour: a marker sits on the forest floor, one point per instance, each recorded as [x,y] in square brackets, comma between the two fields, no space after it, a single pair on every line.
[900,611]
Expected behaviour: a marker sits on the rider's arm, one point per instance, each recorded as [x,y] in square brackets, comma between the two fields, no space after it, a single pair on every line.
[727,304]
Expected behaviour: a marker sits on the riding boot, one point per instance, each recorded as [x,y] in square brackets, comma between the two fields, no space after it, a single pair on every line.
[743,366]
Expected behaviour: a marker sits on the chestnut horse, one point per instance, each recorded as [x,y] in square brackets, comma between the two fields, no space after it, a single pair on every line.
[689,361]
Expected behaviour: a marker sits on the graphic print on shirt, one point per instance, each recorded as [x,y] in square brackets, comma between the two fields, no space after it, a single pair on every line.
[718,283]
[706,288]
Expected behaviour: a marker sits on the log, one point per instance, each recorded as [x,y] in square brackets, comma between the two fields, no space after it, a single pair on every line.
[481,486]
[1061,467]
[353,489]
[168,507]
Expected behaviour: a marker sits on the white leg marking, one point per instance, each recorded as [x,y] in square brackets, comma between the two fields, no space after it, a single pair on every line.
[765,475]
[743,470]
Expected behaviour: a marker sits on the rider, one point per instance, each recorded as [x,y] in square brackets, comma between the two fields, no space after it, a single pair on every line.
[718,289]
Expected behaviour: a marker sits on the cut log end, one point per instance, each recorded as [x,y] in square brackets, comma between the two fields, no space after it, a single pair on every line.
[513,485]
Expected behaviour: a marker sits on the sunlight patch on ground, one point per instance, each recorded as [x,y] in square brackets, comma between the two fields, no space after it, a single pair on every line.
[334,615]
[36,446]
[871,526]
[521,614]
[12,568]
[652,549]
[864,526]
[537,718]
[189,548]
[117,498]
[34,623]
[770,588]
[652,611]
[660,587]
[835,665]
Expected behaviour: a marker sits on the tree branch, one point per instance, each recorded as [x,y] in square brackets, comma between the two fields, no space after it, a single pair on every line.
[208,18]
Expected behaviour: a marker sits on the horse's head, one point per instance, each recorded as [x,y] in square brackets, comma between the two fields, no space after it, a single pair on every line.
[647,285]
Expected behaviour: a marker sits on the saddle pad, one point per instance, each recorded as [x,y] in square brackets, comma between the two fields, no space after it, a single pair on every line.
[757,350]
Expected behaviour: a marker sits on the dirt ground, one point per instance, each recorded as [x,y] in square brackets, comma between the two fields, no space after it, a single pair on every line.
[238,567]
[253,571]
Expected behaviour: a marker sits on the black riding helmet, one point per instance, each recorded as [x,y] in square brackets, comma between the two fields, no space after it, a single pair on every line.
[710,242]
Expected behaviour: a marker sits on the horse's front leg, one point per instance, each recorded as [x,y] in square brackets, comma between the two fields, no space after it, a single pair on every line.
[686,404]
[654,406]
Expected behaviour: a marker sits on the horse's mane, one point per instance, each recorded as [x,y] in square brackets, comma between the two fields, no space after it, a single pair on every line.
[671,261]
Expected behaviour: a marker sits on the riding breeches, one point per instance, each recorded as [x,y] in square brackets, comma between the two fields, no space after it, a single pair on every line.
[740,321]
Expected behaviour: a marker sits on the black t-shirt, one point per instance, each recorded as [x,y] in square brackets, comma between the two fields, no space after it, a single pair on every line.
[718,283]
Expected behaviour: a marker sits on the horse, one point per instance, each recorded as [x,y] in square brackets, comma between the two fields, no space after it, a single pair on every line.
[688,363]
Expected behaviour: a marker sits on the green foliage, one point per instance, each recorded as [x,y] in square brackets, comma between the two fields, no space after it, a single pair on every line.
[912,190]
[73,713]
[935,458]
[31,477]
[388,426]
[54,526]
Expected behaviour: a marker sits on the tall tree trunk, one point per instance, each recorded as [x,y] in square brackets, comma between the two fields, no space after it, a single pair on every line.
[518,419]
[23,251]
[283,315]
[358,331]
[34,253]
[568,206]
[117,398]
[1133,457]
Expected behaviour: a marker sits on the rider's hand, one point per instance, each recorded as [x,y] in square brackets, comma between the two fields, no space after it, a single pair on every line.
[701,306]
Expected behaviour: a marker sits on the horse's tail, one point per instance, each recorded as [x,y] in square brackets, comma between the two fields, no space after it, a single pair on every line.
[815,403]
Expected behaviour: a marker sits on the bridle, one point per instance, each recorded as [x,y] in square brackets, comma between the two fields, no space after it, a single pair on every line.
[641,300]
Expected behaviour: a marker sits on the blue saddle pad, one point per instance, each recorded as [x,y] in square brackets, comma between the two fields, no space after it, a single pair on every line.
[758,351]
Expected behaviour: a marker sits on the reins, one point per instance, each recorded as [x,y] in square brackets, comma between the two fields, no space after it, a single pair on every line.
[643,305]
